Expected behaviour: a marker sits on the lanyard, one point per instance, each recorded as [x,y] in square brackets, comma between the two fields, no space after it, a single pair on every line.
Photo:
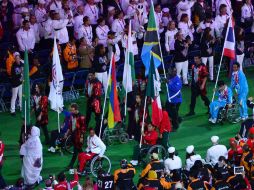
[121,23]
[88,34]
[93,10]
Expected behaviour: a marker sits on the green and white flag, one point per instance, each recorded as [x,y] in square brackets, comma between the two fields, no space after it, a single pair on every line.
[129,70]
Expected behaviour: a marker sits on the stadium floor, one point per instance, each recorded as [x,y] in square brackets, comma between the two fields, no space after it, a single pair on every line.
[193,130]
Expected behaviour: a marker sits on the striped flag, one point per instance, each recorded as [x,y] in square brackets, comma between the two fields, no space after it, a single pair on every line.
[151,48]
[56,86]
[113,110]
[153,91]
[229,44]
[26,91]
[129,70]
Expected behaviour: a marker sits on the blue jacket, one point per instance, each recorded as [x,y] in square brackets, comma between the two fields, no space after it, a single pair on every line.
[239,83]
[174,85]
[225,96]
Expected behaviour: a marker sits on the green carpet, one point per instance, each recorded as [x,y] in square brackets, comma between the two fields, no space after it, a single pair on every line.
[194,130]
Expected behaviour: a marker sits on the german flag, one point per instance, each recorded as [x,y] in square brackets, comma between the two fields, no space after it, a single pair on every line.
[151,48]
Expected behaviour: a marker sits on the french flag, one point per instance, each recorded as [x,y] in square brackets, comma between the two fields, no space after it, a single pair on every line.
[229,44]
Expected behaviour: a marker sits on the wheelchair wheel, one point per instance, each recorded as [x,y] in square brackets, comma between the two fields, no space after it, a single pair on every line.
[160,150]
[68,145]
[233,114]
[102,164]
[123,138]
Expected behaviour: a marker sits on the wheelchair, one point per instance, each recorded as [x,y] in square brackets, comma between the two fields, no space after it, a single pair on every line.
[229,114]
[97,165]
[116,134]
[146,153]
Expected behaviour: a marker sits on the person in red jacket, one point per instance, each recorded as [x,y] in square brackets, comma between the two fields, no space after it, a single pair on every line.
[235,152]
[164,129]
[250,141]
[2,181]
[63,184]
[149,138]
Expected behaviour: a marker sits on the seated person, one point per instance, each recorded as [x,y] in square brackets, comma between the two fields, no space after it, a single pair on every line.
[95,146]
[235,152]
[123,177]
[173,162]
[155,164]
[224,94]
[152,182]
[149,138]
[191,157]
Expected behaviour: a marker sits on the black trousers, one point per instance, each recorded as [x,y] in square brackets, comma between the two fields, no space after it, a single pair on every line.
[173,109]
[53,137]
[89,111]
[131,123]
[45,132]
[76,151]
[195,92]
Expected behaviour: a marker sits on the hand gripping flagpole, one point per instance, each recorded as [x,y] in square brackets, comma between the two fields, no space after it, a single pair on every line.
[217,78]
[105,98]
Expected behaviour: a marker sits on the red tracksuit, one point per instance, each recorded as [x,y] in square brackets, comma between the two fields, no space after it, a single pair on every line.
[235,155]
[150,138]
[165,125]
[250,143]
[64,184]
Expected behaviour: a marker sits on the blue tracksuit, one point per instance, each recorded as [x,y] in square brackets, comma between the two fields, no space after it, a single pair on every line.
[224,97]
[174,86]
[240,85]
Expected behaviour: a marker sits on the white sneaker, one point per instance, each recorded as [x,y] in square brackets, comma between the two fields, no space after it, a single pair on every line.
[210,119]
[213,120]
[134,162]
[244,118]
[52,149]
[71,171]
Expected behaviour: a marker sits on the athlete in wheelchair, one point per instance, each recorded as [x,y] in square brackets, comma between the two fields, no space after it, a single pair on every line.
[149,146]
[93,159]
[225,100]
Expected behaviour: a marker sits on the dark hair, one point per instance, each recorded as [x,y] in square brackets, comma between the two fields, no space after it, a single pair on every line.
[237,64]
[222,6]
[75,106]
[98,49]
[91,129]
[85,19]
[25,22]
[221,83]
[61,177]
[100,20]
[183,16]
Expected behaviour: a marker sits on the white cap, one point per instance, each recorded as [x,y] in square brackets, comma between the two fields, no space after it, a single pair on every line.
[190,149]
[41,1]
[178,185]
[171,150]
[165,10]
[215,139]
[24,10]
[110,8]
[155,156]
[16,54]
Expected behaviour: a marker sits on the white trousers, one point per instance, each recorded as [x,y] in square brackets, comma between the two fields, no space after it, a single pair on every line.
[210,60]
[17,91]
[239,59]
[182,67]
[103,78]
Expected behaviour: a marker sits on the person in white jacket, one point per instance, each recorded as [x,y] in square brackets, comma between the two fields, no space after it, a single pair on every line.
[191,157]
[95,146]
[60,28]
[216,151]
[170,36]
[31,151]
[173,162]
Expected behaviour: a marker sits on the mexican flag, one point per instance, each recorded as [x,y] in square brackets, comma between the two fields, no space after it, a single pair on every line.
[26,91]
[129,70]
[153,90]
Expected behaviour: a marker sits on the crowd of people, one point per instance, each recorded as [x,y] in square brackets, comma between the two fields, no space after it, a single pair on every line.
[87,34]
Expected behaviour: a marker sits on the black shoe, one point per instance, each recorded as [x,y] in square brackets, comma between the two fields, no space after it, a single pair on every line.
[190,114]
[13,114]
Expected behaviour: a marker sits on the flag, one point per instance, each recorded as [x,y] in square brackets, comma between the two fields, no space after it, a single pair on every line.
[129,70]
[26,107]
[113,110]
[153,91]
[56,86]
[229,44]
[151,47]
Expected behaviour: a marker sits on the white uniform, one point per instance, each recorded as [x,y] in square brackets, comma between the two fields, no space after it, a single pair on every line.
[111,44]
[118,26]
[95,145]
[191,161]
[220,21]
[74,5]
[158,18]
[124,5]
[225,2]
[92,12]
[203,25]
[247,12]
[64,15]
[102,34]
[186,29]
[35,28]
[49,31]
[172,164]
[87,33]
[170,40]
[131,11]
[166,20]
[184,7]
[60,29]
[78,21]
[213,153]
[16,17]
[56,6]
[26,39]
[40,15]
[134,43]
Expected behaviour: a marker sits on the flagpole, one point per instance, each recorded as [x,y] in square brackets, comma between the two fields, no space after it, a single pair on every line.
[217,78]
[125,106]
[162,61]
[143,122]
[25,119]
[105,98]
[58,119]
